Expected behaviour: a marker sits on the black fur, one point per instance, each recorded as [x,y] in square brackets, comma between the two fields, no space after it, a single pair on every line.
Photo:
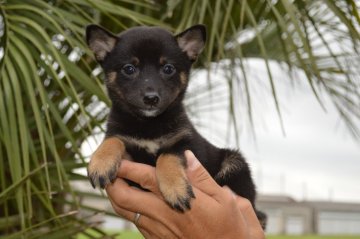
[132,119]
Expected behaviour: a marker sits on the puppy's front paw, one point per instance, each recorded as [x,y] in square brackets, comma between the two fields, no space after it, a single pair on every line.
[102,170]
[105,162]
[173,183]
[178,195]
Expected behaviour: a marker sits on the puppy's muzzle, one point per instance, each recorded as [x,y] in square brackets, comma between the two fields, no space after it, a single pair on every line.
[151,99]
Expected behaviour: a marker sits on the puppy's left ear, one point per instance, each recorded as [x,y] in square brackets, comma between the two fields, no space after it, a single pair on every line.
[192,41]
[100,41]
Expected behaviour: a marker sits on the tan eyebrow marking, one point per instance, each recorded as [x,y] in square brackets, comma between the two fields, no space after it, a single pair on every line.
[162,60]
[135,61]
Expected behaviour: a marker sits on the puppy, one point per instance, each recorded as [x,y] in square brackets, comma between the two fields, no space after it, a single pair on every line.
[147,73]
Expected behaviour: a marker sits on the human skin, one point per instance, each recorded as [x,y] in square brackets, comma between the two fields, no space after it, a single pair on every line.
[216,212]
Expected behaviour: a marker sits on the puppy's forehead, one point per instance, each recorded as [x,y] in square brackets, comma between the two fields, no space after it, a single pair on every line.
[147,41]
[145,32]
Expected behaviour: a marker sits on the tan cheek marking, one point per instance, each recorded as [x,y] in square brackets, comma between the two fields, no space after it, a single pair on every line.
[183,78]
[120,93]
[111,76]
[171,177]
[111,83]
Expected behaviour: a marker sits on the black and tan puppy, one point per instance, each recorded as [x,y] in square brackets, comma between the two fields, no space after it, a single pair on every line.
[147,70]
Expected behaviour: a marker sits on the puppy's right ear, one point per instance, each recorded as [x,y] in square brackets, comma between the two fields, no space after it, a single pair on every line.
[100,41]
[192,41]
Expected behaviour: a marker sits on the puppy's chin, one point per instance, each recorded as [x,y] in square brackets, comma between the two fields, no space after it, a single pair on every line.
[150,113]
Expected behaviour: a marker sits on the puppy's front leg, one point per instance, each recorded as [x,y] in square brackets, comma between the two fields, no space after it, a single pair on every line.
[173,183]
[105,161]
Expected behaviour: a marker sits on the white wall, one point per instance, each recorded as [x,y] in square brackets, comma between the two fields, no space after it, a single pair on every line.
[339,222]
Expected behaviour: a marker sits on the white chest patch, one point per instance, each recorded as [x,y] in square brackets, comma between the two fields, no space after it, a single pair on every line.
[152,146]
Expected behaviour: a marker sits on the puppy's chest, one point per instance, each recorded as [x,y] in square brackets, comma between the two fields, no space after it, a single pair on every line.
[154,145]
[151,146]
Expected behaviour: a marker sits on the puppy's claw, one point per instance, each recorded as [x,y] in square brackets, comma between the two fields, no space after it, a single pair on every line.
[92,182]
[100,175]
[190,191]
[182,205]
[178,208]
[102,182]
[187,204]
[180,201]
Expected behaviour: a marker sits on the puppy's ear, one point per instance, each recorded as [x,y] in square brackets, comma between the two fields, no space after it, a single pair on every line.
[192,41]
[100,41]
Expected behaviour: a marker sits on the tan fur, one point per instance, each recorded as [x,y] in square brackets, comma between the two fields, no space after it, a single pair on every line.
[135,61]
[183,78]
[191,44]
[111,82]
[162,60]
[106,158]
[101,47]
[230,164]
[111,76]
[172,179]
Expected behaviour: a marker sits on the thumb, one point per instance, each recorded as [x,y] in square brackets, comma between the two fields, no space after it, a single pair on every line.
[199,177]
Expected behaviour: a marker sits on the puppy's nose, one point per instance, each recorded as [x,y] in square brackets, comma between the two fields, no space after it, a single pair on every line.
[151,98]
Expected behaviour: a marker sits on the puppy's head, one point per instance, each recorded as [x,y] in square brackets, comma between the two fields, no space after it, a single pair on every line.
[146,68]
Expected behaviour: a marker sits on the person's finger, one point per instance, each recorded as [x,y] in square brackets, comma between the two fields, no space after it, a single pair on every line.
[142,174]
[246,209]
[243,204]
[253,224]
[126,214]
[199,177]
[155,233]
[145,233]
[149,226]
[134,200]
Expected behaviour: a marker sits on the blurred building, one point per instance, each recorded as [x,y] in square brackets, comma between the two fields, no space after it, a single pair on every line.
[288,216]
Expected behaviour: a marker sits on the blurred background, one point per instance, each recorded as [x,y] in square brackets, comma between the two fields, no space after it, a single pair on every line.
[278,79]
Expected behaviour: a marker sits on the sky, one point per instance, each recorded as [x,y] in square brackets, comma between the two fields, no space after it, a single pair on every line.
[316,159]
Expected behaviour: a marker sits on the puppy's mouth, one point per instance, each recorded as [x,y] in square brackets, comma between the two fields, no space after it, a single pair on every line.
[152,112]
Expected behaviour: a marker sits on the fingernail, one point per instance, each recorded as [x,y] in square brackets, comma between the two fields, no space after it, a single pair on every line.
[192,162]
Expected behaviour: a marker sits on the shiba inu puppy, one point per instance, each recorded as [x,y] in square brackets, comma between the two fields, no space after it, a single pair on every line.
[147,73]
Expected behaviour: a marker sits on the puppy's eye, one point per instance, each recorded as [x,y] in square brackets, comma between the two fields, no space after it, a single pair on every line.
[129,69]
[168,69]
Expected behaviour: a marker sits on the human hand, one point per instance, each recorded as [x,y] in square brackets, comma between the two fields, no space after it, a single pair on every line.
[216,212]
